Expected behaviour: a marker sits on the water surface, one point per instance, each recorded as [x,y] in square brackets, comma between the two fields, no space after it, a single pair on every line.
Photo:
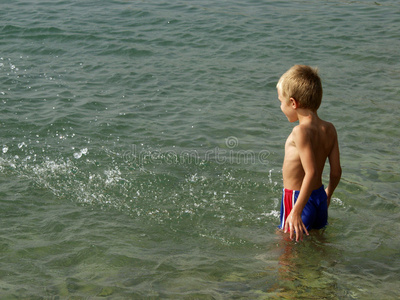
[142,142]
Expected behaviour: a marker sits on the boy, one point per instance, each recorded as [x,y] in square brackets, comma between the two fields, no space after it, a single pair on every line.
[304,201]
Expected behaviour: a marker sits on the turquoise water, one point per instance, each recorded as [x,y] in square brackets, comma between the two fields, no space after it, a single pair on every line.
[142,142]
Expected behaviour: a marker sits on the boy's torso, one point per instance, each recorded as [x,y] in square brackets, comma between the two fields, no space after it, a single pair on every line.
[321,135]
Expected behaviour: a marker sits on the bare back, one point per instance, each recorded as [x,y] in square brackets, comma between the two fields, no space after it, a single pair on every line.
[322,138]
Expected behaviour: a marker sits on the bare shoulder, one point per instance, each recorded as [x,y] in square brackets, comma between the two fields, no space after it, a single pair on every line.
[328,138]
[303,131]
[298,131]
[329,129]
[302,136]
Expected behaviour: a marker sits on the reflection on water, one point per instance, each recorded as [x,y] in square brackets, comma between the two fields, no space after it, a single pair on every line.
[305,268]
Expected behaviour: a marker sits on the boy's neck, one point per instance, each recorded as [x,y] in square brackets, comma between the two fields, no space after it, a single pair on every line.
[306,115]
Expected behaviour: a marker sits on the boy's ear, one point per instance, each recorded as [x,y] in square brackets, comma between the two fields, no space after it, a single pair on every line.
[294,103]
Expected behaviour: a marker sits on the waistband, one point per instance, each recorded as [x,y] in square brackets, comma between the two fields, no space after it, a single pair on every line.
[314,192]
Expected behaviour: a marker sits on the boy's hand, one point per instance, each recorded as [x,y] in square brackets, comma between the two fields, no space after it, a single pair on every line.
[295,224]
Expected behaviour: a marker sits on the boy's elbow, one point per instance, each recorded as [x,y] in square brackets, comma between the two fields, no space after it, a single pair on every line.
[337,173]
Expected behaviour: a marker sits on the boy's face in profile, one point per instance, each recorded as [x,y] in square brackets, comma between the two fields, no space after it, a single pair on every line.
[287,107]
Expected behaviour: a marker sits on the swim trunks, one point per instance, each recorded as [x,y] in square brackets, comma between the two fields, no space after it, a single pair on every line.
[315,213]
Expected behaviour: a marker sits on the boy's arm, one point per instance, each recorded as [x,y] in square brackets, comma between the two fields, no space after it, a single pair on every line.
[307,157]
[335,168]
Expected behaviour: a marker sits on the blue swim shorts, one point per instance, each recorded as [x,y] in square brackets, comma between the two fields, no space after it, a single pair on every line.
[315,213]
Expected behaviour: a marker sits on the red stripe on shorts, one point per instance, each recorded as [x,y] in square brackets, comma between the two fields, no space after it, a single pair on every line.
[288,203]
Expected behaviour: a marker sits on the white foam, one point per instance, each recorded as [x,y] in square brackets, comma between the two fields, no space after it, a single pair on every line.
[79,154]
[272,213]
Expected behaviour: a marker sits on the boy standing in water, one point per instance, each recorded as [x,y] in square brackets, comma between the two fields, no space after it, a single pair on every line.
[305,201]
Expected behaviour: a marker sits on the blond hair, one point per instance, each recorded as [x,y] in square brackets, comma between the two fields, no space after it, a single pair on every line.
[303,84]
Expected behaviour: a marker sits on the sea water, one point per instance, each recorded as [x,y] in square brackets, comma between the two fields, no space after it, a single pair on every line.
[142,143]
